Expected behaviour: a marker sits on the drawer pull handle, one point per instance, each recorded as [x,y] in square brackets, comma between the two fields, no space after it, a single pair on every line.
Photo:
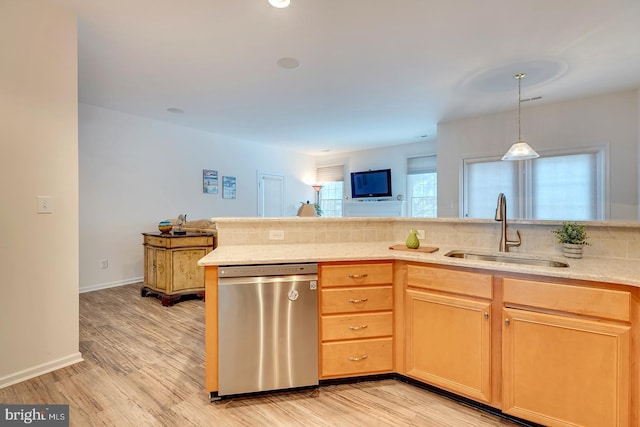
[507,322]
[355,359]
[355,301]
[357,328]
[486,315]
[358,276]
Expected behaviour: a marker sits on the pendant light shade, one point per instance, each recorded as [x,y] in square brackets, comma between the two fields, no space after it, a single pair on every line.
[520,150]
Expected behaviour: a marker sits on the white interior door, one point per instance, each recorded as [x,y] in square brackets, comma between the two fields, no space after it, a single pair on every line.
[270,195]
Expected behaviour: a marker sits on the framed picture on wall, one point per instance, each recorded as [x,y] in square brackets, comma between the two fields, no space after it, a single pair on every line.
[228,187]
[209,181]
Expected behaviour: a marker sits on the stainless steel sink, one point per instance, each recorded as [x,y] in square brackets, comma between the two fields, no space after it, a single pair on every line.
[506,258]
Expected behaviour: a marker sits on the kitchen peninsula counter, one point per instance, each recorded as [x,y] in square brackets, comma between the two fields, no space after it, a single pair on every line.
[618,271]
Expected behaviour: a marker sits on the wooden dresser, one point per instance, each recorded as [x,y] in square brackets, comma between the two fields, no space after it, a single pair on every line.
[171,265]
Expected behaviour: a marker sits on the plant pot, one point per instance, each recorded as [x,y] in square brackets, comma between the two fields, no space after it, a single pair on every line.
[572,250]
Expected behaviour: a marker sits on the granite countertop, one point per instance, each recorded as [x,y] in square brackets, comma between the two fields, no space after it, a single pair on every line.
[618,271]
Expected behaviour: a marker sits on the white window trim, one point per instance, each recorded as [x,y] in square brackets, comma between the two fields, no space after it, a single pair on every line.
[603,186]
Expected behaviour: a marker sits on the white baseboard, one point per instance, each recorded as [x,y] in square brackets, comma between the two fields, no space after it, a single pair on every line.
[38,370]
[99,286]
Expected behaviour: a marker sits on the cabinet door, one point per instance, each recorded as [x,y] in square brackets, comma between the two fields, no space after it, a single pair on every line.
[187,275]
[565,371]
[449,343]
[155,268]
[149,267]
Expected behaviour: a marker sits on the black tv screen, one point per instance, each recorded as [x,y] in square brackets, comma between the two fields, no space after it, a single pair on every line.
[371,184]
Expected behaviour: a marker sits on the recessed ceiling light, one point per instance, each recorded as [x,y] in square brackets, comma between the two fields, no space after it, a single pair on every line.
[279,3]
[288,63]
[175,110]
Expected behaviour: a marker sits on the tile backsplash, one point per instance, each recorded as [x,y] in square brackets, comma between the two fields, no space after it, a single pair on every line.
[608,240]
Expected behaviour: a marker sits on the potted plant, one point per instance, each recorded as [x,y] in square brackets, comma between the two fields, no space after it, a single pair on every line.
[573,238]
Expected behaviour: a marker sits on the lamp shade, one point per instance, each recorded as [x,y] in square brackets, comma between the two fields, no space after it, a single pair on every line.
[520,151]
[307,209]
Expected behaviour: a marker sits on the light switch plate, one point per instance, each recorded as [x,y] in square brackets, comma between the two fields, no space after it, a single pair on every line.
[44,204]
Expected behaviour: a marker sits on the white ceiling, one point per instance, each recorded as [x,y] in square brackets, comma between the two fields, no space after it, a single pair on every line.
[372,72]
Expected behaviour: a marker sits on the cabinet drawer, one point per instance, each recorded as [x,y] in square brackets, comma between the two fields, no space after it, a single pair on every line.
[191,241]
[155,241]
[605,303]
[354,300]
[353,326]
[179,242]
[357,357]
[356,274]
[459,282]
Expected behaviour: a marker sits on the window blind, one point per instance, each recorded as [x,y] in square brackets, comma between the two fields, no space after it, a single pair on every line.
[330,173]
[421,164]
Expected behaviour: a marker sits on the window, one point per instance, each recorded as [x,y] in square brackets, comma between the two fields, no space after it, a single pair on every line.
[422,187]
[332,193]
[567,185]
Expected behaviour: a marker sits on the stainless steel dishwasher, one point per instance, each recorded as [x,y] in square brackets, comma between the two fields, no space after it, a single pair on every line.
[267,328]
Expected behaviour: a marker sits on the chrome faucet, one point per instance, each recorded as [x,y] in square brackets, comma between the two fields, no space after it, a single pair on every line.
[501,215]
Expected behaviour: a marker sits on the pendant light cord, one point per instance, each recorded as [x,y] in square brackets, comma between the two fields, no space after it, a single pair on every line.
[519,76]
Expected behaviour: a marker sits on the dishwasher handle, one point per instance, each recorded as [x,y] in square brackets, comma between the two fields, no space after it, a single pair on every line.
[226,281]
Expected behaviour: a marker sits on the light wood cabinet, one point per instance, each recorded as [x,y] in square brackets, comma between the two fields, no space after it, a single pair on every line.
[356,319]
[171,265]
[558,352]
[566,367]
[448,336]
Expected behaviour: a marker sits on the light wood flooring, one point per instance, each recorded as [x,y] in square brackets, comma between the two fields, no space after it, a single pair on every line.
[144,366]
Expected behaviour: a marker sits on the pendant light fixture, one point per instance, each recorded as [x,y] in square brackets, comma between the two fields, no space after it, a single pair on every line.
[520,150]
[279,3]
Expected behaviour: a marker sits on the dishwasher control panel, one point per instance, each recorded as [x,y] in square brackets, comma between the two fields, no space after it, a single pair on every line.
[267,270]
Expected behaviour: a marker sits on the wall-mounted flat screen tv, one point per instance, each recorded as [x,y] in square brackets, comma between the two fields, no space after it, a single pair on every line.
[371,184]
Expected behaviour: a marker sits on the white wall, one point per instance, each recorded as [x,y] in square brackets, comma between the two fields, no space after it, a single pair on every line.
[607,119]
[135,172]
[39,141]
[394,158]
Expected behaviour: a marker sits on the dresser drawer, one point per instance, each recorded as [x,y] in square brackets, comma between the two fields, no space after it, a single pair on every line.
[354,326]
[442,279]
[155,241]
[357,357]
[356,274]
[170,241]
[606,303]
[190,241]
[355,300]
